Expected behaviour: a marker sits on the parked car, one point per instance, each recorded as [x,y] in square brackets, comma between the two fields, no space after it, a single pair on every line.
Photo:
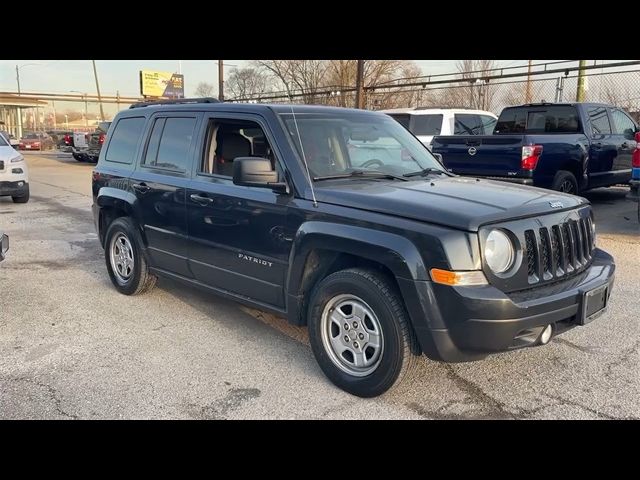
[425,123]
[60,137]
[36,141]
[4,245]
[14,174]
[11,139]
[634,183]
[569,147]
[95,140]
[261,204]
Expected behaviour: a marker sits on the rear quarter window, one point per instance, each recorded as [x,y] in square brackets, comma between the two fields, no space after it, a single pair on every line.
[124,140]
[539,119]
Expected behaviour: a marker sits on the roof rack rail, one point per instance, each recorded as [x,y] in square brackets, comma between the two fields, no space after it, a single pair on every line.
[176,101]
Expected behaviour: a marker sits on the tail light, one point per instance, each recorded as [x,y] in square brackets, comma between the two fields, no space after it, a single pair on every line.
[67,139]
[101,139]
[530,156]
[635,160]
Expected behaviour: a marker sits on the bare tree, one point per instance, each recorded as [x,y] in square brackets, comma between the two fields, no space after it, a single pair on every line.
[473,90]
[306,76]
[247,82]
[204,89]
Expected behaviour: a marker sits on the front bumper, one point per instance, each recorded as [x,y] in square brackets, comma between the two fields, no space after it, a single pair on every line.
[468,323]
[15,189]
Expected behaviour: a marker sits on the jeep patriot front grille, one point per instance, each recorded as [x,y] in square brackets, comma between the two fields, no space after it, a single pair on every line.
[559,250]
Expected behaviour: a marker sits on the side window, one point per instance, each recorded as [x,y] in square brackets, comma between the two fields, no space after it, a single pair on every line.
[467,124]
[124,140]
[488,124]
[228,139]
[154,142]
[599,121]
[622,124]
[172,150]
[426,125]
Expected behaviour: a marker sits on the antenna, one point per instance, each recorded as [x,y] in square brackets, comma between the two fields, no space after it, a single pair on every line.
[304,158]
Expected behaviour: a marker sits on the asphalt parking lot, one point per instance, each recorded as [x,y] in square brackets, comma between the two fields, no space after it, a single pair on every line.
[71,347]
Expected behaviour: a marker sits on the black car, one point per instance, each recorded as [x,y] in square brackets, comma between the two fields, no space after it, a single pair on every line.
[382,261]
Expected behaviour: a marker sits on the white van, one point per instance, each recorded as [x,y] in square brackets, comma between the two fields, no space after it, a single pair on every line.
[425,123]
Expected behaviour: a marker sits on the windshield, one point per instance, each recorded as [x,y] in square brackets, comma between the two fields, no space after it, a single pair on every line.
[336,143]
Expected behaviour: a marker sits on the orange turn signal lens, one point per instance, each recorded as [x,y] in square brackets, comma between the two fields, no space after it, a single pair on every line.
[446,277]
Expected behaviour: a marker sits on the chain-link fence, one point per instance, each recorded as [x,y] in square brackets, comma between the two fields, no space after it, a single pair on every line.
[620,88]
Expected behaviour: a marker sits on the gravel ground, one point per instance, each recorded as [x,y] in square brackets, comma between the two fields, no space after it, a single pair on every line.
[71,347]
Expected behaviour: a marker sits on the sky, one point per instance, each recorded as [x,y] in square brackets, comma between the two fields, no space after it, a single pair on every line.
[63,76]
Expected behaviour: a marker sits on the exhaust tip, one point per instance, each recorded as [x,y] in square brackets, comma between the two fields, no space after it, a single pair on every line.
[546,335]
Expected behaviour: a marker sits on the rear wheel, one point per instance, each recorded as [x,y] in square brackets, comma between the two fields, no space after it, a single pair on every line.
[360,333]
[77,157]
[126,264]
[565,182]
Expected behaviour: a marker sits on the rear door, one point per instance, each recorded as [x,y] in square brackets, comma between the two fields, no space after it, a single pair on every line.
[160,182]
[624,129]
[603,148]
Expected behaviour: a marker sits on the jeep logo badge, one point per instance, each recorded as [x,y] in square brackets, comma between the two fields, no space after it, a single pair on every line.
[556,204]
[472,151]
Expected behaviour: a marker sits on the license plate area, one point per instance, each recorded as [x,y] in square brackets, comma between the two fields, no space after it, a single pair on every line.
[594,302]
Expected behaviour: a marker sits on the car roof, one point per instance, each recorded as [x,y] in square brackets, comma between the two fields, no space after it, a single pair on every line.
[435,111]
[243,107]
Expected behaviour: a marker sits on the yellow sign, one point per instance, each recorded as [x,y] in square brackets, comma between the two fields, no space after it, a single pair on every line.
[161,84]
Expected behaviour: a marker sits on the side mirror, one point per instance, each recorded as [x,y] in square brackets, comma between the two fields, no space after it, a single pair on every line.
[4,246]
[256,172]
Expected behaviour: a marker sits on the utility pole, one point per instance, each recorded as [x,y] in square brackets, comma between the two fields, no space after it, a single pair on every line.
[360,85]
[18,78]
[581,82]
[220,81]
[95,74]
[527,95]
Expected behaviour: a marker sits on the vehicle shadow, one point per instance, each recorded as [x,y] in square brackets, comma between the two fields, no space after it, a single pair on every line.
[613,213]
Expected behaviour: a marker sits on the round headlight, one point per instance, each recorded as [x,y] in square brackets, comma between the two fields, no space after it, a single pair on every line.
[499,252]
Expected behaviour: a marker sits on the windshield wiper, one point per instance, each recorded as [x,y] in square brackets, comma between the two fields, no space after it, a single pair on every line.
[426,171]
[361,174]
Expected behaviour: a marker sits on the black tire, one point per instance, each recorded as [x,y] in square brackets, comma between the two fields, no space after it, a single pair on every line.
[22,198]
[77,157]
[378,292]
[565,182]
[140,280]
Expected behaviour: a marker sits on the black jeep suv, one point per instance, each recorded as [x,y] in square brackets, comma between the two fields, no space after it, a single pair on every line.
[341,220]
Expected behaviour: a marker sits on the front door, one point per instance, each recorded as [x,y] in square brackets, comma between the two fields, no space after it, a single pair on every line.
[160,182]
[238,237]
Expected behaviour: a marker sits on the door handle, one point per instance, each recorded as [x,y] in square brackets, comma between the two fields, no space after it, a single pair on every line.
[141,187]
[200,200]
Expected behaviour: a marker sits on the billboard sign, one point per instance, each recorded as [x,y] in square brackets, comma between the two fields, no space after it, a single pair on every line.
[161,84]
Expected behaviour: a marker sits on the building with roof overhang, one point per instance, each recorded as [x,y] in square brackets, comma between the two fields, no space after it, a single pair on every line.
[11,107]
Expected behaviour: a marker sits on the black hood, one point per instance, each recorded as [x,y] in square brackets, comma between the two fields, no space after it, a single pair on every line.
[460,202]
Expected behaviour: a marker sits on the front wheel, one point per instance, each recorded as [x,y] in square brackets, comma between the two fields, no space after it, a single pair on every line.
[360,332]
[126,264]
